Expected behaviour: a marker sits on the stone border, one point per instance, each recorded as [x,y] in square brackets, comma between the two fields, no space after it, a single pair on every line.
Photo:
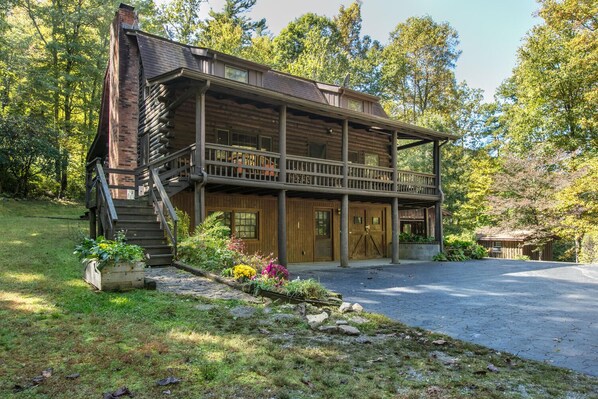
[265,293]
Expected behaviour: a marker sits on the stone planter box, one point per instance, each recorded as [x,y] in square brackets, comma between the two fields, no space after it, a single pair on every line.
[418,250]
[121,277]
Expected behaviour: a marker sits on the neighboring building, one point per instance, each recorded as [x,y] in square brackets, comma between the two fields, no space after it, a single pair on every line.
[512,244]
[301,169]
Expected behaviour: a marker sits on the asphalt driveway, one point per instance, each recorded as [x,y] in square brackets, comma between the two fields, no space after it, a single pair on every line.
[537,310]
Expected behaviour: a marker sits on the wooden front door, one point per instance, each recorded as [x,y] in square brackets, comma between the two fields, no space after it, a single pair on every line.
[366,233]
[323,234]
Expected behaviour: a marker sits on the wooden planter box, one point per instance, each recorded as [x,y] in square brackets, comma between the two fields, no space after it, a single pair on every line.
[120,277]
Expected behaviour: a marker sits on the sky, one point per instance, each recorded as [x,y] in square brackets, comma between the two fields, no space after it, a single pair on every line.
[490,31]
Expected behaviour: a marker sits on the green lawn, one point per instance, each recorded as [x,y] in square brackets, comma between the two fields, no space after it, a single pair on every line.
[50,318]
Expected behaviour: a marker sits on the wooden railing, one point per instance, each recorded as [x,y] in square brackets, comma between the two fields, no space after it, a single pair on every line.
[370,178]
[416,183]
[173,168]
[314,172]
[241,163]
[263,166]
[98,196]
[161,202]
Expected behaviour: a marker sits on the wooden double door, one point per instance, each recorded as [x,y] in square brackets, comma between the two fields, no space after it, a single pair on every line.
[367,233]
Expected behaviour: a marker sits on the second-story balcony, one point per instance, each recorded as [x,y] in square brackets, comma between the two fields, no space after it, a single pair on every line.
[243,164]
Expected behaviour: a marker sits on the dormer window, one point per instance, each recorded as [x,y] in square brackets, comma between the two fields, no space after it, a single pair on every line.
[355,105]
[238,74]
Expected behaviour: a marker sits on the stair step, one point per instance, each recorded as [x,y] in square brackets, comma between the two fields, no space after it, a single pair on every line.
[159,260]
[138,225]
[157,249]
[132,217]
[144,242]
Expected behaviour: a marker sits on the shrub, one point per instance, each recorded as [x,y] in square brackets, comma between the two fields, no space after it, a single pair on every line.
[457,249]
[408,237]
[183,225]
[108,252]
[243,272]
[309,288]
[589,248]
[521,257]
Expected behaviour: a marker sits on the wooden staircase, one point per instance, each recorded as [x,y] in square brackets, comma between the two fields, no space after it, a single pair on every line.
[141,226]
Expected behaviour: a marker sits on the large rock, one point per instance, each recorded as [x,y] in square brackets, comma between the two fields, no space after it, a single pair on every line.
[315,320]
[358,320]
[348,330]
[357,308]
[345,307]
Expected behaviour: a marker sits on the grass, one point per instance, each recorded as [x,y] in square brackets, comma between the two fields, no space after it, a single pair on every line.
[50,318]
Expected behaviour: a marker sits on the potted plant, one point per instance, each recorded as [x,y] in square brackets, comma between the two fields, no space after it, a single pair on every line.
[112,265]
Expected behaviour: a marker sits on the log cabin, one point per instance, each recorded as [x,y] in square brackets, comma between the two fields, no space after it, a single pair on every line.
[300,169]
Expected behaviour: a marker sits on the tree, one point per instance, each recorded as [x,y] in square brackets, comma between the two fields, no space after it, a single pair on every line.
[181,20]
[552,94]
[523,193]
[26,152]
[418,70]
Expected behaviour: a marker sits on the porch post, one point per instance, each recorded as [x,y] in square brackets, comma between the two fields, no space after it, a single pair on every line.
[345,199]
[282,194]
[200,154]
[282,227]
[395,200]
[93,232]
[438,205]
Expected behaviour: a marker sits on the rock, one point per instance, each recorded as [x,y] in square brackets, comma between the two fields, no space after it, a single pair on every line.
[341,322]
[362,339]
[345,307]
[205,307]
[242,312]
[443,358]
[439,342]
[316,319]
[357,308]
[150,284]
[328,329]
[300,308]
[348,330]
[358,320]
[282,317]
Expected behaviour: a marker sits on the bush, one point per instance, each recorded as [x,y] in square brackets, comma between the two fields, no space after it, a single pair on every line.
[457,249]
[309,288]
[108,252]
[243,272]
[408,237]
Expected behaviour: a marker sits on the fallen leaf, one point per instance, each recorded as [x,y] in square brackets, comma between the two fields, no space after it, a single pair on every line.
[168,381]
[439,342]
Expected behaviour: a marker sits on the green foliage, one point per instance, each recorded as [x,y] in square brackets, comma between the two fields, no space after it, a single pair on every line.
[457,249]
[108,252]
[589,248]
[521,257]
[408,237]
[309,288]
[183,225]
[27,153]
[209,247]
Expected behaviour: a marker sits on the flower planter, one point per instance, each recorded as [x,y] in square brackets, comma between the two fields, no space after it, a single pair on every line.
[418,250]
[120,277]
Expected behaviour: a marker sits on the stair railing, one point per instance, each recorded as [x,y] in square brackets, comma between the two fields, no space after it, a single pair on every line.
[103,198]
[162,199]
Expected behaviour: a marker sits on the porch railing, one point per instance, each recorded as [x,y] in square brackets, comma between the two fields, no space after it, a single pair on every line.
[241,163]
[416,183]
[370,178]
[314,172]
[99,196]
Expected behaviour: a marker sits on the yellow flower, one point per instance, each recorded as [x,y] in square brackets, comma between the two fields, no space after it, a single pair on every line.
[241,272]
[103,245]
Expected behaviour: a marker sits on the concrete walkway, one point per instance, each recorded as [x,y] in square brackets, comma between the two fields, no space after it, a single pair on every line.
[537,310]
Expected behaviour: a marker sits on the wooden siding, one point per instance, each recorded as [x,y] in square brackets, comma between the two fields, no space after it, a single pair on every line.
[228,115]
[300,221]
[513,249]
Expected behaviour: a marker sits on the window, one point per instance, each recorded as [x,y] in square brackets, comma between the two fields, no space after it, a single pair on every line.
[357,220]
[316,150]
[222,137]
[355,105]
[496,246]
[323,224]
[353,157]
[243,224]
[414,227]
[265,143]
[240,75]
[375,220]
[246,225]
[372,159]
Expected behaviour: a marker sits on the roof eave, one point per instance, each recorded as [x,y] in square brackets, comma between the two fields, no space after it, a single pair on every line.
[356,116]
